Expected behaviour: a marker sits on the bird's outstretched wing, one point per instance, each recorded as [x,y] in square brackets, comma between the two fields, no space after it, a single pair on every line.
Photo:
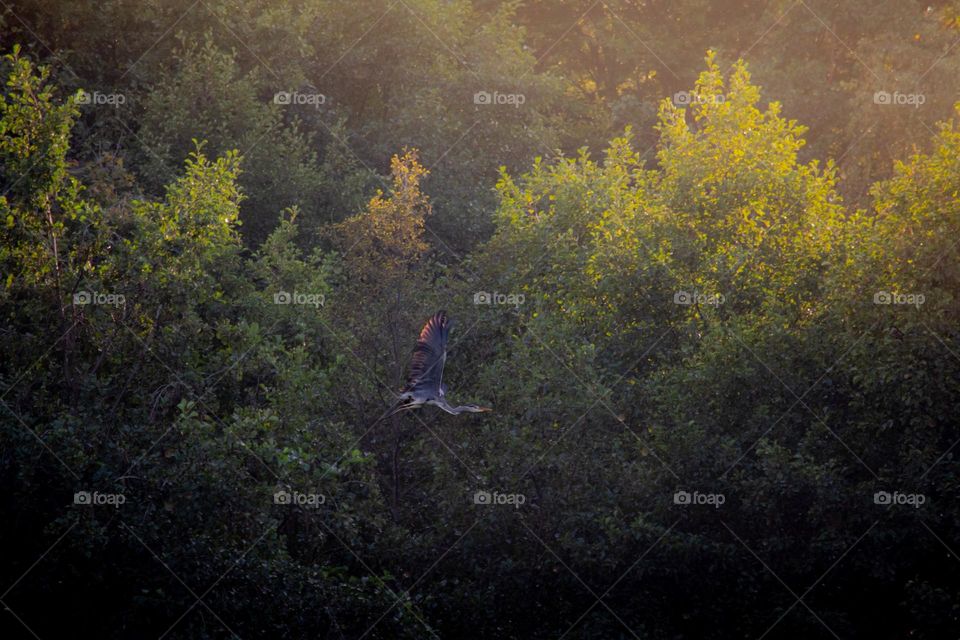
[429,356]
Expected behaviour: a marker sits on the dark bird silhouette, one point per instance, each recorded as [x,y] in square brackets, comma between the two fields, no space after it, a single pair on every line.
[425,381]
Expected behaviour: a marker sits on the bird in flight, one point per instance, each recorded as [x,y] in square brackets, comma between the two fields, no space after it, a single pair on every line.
[425,382]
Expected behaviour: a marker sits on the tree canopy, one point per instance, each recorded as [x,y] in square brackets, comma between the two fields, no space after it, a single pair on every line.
[716,320]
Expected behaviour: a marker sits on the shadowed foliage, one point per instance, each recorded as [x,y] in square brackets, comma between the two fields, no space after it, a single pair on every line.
[724,367]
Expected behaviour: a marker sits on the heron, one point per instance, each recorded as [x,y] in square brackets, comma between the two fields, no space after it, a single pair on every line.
[425,381]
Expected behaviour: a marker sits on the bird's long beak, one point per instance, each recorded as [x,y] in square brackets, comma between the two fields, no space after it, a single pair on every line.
[396,408]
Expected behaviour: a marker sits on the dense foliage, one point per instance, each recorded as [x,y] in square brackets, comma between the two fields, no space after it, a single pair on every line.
[725,374]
